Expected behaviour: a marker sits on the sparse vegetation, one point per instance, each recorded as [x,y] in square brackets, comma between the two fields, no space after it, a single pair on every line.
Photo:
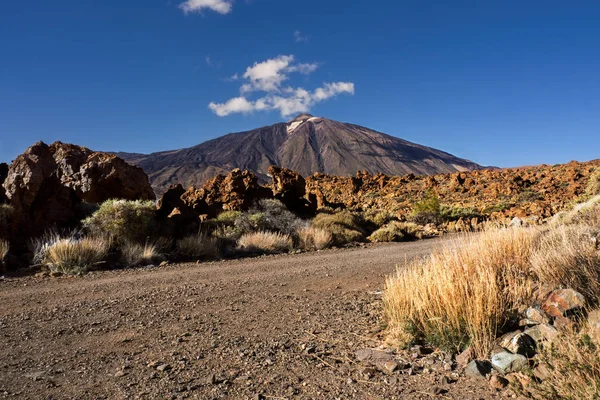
[396,231]
[5,216]
[575,364]
[123,220]
[200,246]
[265,242]
[467,293]
[345,227]
[70,255]
[314,238]
[135,254]
[427,210]
[593,186]
[4,248]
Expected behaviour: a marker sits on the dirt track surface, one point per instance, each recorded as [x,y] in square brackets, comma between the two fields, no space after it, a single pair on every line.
[278,327]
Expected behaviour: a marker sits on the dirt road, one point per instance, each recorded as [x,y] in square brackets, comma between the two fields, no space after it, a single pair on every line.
[277,327]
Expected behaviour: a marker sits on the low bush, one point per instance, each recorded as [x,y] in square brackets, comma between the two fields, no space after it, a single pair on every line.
[278,218]
[427,210]
[6,212]
[135,254]
[265,242]
[378,218]
[200,246]
[314,238]
[448,213]
[123,220]
[70,255]
[396,231]
[345,227]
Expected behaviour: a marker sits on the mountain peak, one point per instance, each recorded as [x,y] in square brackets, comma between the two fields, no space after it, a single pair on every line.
[301,117]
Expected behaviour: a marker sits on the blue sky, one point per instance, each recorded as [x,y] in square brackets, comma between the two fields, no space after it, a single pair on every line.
[504,83]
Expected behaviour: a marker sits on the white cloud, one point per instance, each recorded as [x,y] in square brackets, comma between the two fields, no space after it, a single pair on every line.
[268,77]
[294,101]
[299,37]
[220,6]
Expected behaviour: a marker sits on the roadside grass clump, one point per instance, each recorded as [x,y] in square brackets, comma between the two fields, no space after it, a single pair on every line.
[196,247]
[265,242]
[71,255]
[574,362]
[310,238]
[123,220]
[427,210]
[396,231]
[4,248]
[345,226]
[464,293]
[467,293]
[135,254]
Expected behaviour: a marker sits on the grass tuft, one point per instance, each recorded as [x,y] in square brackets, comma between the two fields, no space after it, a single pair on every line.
[314,238]
[396,231]
[73,256]
[199,246]
[265,242]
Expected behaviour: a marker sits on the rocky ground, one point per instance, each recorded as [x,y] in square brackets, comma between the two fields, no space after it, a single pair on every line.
[277,327]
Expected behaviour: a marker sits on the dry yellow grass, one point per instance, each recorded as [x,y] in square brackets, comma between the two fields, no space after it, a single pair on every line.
[4,247]
[71,256]
[462,293]
[268,242]
[314,238]
[198,247]
[574,362]
[134,254]
[467,292]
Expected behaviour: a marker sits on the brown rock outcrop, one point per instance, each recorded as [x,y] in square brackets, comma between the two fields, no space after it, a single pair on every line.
[289,187]
[3,175]
[45,184]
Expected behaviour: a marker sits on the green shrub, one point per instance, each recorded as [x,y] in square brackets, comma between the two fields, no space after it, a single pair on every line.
[123,220]
[448,213]
[396,231]
[228,217]
[528,196]
[428,210]
[499,207]
[378,218]
[346,227]
[278,218]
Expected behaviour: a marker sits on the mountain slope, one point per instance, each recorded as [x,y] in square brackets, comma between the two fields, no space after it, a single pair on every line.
[305,144]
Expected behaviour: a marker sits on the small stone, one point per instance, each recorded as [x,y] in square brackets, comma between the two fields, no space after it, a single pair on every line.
[506,362]
[562,301]
[465,357]
[120,373]
[163,264]
[438,390]
[535,314]
[515,223]
[349,381]
[498,382]
[153,364]
[163,367]
[478,369]
[390,366]
[542,334]
[56,274]
[518,343]
[563,323]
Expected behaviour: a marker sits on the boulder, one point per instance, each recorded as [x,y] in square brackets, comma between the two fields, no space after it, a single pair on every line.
[478,369]
[594,325]
[518,343]
[506,362]
[542,334]
[537,316]
[289,187]
[563,301]
[46,184]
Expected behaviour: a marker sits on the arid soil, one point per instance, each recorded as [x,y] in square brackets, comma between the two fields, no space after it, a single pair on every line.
[277,327]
